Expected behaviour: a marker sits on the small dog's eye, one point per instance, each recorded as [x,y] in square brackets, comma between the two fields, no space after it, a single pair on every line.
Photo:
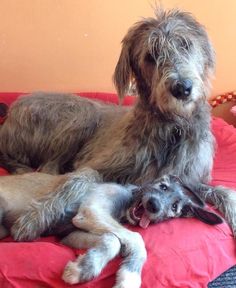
[175,206]
[163,187]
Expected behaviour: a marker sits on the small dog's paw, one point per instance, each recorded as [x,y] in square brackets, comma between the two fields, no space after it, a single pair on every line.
[78,271]
[72,272]
[127,279]
[78,221]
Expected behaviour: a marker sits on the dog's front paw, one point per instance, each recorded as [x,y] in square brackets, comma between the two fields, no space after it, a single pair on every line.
[128,279]
[79,271]
[24,229]
[82,270]
[72,272]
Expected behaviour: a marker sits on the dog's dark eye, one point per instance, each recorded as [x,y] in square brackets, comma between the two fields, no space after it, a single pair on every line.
[163,187]
[149,58]
[175,206]
[186,45]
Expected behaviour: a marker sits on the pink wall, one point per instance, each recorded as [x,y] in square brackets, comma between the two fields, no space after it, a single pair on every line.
[71,45]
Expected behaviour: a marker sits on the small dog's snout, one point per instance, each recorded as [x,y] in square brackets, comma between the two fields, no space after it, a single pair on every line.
[182,89]
[153,205]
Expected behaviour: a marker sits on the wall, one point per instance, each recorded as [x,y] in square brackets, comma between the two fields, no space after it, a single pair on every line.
[73,45]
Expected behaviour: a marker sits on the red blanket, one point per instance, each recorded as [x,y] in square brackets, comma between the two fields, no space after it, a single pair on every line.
[181,253]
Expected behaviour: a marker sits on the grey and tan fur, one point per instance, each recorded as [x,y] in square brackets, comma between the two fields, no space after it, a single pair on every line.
[96,208]
[170,60]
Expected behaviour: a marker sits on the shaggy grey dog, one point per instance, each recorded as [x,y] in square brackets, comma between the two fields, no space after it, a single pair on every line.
[170,60]
[96,208]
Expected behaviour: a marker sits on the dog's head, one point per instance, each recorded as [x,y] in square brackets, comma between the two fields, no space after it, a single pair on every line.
[167,198]
[169,59]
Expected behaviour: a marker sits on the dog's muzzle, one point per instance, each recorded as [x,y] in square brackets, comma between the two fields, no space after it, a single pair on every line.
[182,89]
[153,205]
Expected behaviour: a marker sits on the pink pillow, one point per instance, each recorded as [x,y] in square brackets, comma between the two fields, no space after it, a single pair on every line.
[181,253]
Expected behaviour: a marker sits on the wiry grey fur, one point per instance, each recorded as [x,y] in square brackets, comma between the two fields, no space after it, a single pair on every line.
[166,132]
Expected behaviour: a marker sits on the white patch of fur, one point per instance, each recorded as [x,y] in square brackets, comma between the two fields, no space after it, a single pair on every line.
[127,279]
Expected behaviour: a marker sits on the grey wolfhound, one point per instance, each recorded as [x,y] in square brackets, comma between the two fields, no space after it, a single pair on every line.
[96,208]
[170,60]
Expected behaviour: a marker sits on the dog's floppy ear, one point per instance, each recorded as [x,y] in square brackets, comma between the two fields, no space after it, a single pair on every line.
[194,197]
[196,208]
[204,215]
[122,77]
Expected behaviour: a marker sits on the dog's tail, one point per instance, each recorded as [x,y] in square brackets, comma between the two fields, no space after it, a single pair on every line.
[223,199]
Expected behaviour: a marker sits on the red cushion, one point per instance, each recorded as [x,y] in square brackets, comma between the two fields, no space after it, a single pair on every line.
[181,253]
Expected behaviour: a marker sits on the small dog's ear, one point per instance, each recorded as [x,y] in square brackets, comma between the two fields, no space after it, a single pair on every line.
[206,216]
[122,77]
[194,197]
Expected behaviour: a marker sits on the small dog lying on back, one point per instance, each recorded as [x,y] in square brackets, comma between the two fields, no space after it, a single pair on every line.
[97,213]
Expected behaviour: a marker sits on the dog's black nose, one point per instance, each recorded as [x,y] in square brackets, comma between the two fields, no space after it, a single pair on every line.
[153,205]
[182,89]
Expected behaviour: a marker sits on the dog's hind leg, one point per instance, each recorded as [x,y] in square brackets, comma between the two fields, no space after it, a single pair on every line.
[81,239]
[223,199]
[132,244]
[102,249]
[48,211]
